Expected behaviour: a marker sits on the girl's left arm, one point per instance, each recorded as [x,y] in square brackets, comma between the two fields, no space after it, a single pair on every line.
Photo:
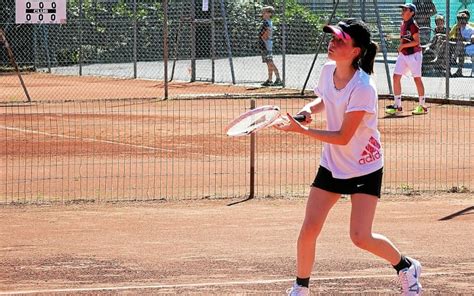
[349,125]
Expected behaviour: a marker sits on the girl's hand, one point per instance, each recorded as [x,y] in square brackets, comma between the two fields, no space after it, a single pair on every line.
[291,125]
[307,116]
[400,47]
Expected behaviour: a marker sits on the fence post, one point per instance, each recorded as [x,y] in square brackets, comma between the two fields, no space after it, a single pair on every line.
[193,41]
[252,157]
[165,46]
[135,39]
[384,46]
[227,41]
[213,43]
[321,41]
[283,43]
[447,55]
[80,36]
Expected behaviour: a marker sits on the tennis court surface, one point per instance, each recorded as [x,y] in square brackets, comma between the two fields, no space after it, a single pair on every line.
[129,196]
[204,247]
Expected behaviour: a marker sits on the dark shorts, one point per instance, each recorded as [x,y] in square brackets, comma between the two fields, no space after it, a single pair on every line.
[267,56]
[369,184]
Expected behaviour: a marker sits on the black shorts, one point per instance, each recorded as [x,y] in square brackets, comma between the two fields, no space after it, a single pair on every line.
[267,56]
[369,184]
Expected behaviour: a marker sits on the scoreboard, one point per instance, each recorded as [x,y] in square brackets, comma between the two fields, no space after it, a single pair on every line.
[40,12]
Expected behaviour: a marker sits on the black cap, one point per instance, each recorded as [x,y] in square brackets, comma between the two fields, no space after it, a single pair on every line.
[351,29]
[465,11]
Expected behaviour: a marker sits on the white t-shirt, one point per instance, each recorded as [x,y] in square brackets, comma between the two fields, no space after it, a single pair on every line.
[363,154]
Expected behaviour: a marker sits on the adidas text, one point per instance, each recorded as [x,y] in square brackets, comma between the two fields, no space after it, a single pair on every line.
[369,158]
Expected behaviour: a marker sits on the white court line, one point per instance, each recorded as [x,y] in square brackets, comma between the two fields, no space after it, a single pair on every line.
[80,138]
[234,283]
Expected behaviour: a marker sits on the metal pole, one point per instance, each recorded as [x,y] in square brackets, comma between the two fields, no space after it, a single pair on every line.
[213,43]
[384,47]
[3,39]
[35,51]
[319,47]
[46,45]
[134,38]
[165,45]
[80,37]
[193,41]
[362,8]
[227,39]
[283,43]
[447,55]
[176,42]
[252,157]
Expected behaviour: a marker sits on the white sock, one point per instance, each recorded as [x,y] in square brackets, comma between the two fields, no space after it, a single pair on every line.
[421,100]
[398,101]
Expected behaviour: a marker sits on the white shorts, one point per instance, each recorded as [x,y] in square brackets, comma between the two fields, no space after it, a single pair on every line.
[409,63]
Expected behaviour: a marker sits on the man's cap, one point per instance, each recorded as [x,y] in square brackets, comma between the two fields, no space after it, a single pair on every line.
[268,8]
[466,12]
[351,29]
[410,6]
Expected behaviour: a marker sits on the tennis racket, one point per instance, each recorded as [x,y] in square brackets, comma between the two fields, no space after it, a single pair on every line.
[257,119]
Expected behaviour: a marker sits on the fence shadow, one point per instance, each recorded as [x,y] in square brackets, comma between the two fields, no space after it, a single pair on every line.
[459,213]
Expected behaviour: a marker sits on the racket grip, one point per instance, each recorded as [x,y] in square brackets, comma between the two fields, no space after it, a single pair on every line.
[299,118]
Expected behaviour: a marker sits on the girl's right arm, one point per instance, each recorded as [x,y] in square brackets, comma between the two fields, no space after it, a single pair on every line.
[316,106]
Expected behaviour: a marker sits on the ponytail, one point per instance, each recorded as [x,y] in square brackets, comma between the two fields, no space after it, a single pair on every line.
[366,62]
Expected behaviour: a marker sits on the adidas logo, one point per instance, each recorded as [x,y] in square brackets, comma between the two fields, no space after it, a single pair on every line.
[371,152]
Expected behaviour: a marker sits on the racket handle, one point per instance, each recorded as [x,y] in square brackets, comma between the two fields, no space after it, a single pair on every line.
[299,118]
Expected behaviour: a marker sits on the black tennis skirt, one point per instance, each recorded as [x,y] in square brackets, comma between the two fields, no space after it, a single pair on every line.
[369,184]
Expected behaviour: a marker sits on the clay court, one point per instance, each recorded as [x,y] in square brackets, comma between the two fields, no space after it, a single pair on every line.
[205,247]
[142,149]
[130,196]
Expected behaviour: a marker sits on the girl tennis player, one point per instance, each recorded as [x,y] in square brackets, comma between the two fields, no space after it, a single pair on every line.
[352,157]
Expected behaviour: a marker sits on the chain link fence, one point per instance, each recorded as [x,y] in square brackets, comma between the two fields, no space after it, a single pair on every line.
[96,131]
[124,39]
[120,150]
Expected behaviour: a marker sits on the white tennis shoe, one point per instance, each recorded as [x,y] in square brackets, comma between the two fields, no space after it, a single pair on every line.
[298,290]
[410,278]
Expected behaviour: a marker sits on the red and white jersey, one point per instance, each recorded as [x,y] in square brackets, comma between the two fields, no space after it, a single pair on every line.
[363,154]
[407,30]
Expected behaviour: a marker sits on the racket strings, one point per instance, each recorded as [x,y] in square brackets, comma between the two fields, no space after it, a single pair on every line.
[252,122]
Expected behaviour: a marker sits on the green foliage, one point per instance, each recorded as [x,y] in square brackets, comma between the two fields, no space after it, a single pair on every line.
[295,12]
[101,31]
[303,26]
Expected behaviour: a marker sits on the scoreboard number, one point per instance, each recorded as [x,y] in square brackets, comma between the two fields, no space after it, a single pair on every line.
[40,12]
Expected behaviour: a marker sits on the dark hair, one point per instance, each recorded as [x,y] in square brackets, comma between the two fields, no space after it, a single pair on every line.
[361,37]
[466,11]
[462,17]
[366,60]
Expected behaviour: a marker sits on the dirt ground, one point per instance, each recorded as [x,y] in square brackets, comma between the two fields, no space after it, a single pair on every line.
[79,161]
[50,87]
[146,149]
[204,247]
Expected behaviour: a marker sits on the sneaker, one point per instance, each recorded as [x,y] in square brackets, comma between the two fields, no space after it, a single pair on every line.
[298,290]
[410,278]
[278,82]
[267,83]
[419,110]
[458,73]
[392,110]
